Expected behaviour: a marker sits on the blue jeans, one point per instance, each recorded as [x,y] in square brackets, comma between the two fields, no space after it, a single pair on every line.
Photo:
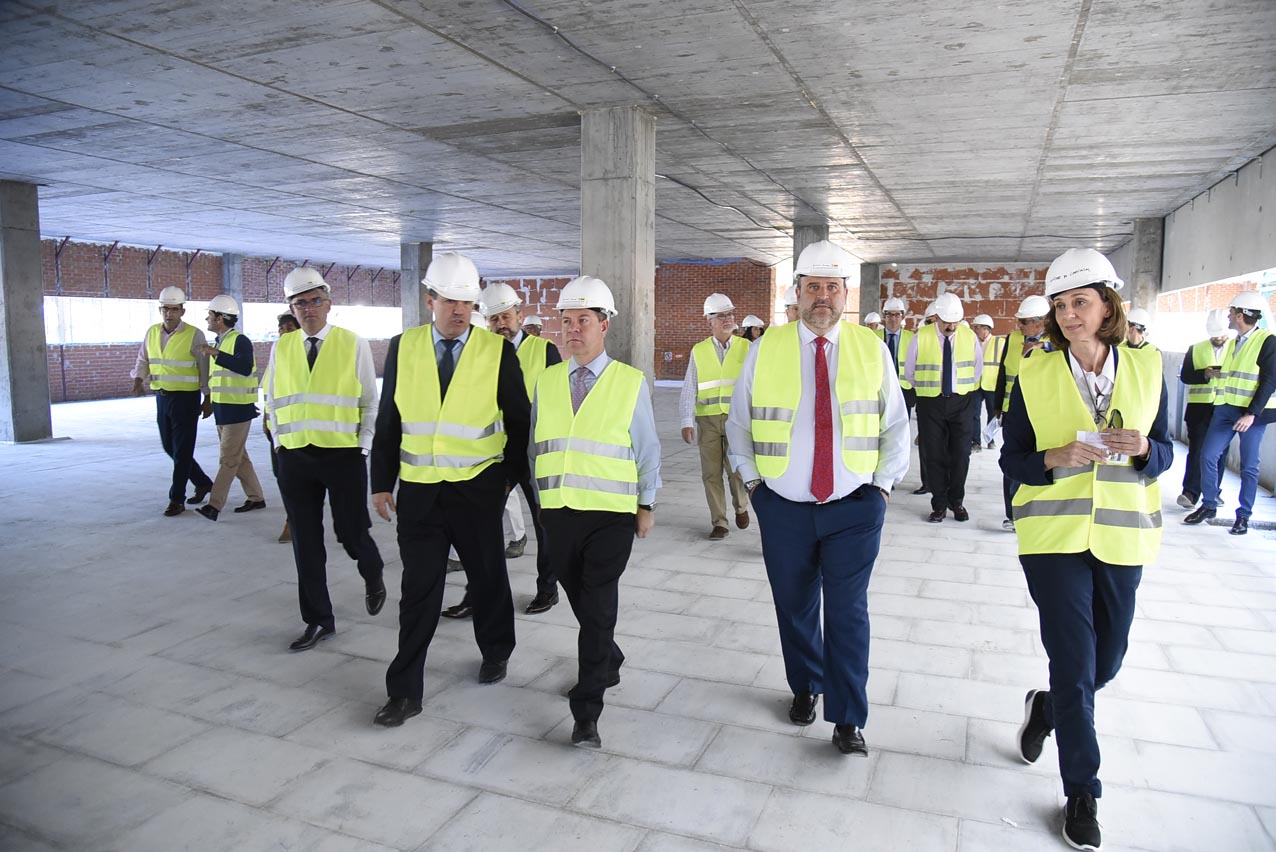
[1217,440]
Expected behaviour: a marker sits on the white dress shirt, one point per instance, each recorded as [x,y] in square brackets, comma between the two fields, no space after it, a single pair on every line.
[691,382]
[142,368]
[910,360]
[365,369]
[1095,388]
[795,483]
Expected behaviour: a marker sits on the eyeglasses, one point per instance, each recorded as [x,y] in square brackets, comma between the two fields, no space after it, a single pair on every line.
[313,302]
[893,315]
[1139,328]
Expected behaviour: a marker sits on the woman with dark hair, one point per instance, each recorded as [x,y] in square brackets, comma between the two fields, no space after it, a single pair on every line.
[1087,433]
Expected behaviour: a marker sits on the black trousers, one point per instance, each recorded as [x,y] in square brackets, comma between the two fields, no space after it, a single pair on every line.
[983,403]
[1197,416]
[944,426]
[546,582]
[177,415]
[433,518]
[306,475]
[591,550]
[910,402]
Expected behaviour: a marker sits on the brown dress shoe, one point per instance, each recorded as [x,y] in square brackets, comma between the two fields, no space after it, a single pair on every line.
[742,520]
[937,516]
[718,534]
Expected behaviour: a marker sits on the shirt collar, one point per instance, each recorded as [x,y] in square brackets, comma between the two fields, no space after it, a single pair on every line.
[464,336]
[322,333]
[807,337]
[595,366]
[518,339]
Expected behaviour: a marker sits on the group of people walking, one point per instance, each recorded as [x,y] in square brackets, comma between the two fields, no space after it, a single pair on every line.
[809,423]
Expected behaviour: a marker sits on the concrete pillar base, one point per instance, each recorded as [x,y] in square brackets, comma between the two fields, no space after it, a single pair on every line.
[24,368]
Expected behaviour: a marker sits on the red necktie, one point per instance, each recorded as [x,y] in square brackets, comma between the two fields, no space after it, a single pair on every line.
[822,465]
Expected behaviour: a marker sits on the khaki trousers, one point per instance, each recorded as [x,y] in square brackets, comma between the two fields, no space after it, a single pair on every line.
[712,431]
[234,464]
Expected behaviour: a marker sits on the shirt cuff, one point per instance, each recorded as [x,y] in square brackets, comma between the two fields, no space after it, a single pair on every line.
[688,423]
[646,496]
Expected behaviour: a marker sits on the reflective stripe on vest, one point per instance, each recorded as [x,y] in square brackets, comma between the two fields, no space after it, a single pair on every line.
[172,366]
[1013,350]
[318,407]
[1111,510]
[777,389]
[227,386]
[460,436]
[531,359]
[585,460]
[1202,355]
[901,351]
[1240,372]
[715,381]
[994,349]
[928,367]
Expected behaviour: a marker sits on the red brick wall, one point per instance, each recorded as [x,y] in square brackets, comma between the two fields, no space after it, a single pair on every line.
[983,288]
[1207,297]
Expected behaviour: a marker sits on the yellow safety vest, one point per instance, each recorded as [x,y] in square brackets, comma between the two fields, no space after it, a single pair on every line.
[901,351]
[318,407]
[928,367]
[585,459]
[460,436]
[227,386]
[994,349]
[1203,356]
[173,367]
[777,388]
[531,358]
[1013,350]
[1240,372]
[1146,344]
[716,381]
[1111,510]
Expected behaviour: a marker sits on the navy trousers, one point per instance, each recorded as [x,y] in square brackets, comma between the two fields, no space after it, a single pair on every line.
[826,549]
[1217,440]
[1085,608]
[1197,418]
[177,415]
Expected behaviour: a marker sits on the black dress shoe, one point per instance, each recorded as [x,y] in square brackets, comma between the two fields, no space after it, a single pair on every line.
[174,508]
[208,512]
[461,610]
[374,597]
[200,494]
[492,671]
[396,711]
[1200,516]
[542,602]
[922,490]
[613,679]
[960,513]
[849,740]
[936,517]
[585,735]
[250,505]
[1241,526]
[802,712]
[313,636]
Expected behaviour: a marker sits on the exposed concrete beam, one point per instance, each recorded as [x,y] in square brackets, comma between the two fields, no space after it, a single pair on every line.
[804,235]
[1147,248]
[233,277]
[870,288]
[414,259]
[24,366]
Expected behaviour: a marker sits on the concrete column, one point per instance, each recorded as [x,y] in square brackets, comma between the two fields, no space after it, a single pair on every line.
[804,235]
[618,224]
[24,366]
[870,289]
[414,259]
[1148,250]
[233,278]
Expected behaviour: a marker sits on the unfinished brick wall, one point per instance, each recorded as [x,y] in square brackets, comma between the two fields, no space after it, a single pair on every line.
[992,289]
[1207,297]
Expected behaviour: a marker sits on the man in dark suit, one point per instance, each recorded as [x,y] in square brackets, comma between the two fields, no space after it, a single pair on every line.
[456,456]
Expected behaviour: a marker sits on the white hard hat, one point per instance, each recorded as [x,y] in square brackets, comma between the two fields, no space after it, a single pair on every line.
[1139,317]
[717,304]
[752,322]
[498,298]
[1033,307]
[587,292]
[533,320]
[1249,300]
[894,303]
[930,311]
[1216,323]
[948,307]
[453,276]
[172,296]
[791,295]
[873,317]
[304,278]
[224,304]
[477,318]
[982,319]
[1080,267]
[823,259]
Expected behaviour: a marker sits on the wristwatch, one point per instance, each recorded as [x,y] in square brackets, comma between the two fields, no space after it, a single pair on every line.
[650,507]
[752,484]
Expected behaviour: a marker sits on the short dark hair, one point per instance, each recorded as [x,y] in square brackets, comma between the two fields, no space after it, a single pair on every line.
[1113,330]
[287,318]
[229,319]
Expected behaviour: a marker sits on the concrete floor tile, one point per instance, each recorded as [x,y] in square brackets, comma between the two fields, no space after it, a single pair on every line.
[52,711]
[732,704]
[978,836]
[1149,819]
[900,729]
[1244,777]
[497,707]
[977,637]
[1010,669]
[77,661]
[19,688]
[664,625]
[1144,720]
[394,808]
[81,803]
[361,679]
[548,772]
[12,838]
[756,638]
[494,823]
[995,744]
[253,653]
[121,732]
[690,660]
[1247,641]
[1014,618]
[658,841]
[961,790]
[1172,633]
[947,590]
[813,822]
[643,734]
[904,606]
[1185,690]
[1206,616]
[975,699]
[542,637]
[787,761]
[1268,817]
[1242,733]
[348,730]
[676,800]
[261,707]
[172,686]
[889,584]
[729,609]
[722,587]
[1144,655]
[659,600]
[238,765]
[21,756]
[921,658]
[638,687]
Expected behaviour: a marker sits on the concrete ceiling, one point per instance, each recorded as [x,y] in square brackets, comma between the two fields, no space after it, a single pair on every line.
[921,130]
